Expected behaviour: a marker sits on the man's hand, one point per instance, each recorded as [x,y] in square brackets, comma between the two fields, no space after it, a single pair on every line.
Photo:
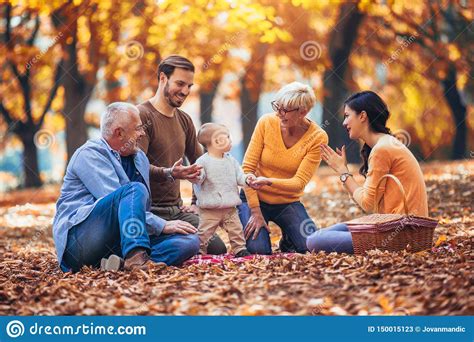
[193,209]
[179,227]
[191,172]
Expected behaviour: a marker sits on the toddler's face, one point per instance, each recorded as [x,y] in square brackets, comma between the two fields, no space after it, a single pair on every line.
[221,140]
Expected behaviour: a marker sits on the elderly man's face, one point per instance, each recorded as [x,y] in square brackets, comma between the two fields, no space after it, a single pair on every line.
[133,131]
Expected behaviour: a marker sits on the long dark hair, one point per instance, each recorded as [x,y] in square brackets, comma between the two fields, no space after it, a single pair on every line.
[377,112]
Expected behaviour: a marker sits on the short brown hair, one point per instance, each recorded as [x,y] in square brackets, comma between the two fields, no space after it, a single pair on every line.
[206,131]
[172,62]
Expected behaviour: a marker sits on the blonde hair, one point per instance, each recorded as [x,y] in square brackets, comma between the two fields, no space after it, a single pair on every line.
[206,132]
[296,95]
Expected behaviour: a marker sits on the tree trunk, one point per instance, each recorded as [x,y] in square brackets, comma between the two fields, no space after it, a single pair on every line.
[78,86]
[335,79]
[77,98]
[251,87]
[77,92]
[30,159]
[206,98]
[459,112]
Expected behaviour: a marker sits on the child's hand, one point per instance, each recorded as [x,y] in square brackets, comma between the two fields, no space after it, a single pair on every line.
[193,209]
[259,182]
[249,178]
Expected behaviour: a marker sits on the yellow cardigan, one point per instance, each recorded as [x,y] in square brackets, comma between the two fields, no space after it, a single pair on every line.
[289,169]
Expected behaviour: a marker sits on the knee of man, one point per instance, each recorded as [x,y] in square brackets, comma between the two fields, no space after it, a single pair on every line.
[138,187]
[189,245]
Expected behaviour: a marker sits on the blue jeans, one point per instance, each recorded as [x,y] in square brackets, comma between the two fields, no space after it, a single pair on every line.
[293,220]
[116,225]
[336,238]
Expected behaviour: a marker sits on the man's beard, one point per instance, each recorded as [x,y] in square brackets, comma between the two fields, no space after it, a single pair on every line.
[169,99]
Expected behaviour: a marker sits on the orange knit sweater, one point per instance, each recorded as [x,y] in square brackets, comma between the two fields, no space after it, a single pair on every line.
[390,156]
[289,169]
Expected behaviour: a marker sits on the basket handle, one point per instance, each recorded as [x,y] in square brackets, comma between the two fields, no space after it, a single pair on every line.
[400,187]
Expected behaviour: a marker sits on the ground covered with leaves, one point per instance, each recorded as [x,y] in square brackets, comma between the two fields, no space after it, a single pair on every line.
[434,282]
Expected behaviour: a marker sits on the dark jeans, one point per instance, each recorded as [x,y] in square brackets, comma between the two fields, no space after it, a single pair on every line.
[116,225]
[293,220]
[336,238]
[216,245]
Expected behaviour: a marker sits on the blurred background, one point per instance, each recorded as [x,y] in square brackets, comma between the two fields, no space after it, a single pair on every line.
[62,62]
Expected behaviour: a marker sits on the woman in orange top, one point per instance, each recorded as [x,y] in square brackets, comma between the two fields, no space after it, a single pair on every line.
[365,116]
[284,152]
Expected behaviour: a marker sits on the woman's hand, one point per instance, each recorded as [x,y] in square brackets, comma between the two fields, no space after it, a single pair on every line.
[336,160]
[259,182]
[255,223]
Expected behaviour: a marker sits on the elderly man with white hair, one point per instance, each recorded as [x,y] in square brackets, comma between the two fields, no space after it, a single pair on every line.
[102,215]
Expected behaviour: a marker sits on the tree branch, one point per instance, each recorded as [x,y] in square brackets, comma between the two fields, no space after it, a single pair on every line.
[6,115]
[8,28]
[412,24]
[32,38]
[53,92]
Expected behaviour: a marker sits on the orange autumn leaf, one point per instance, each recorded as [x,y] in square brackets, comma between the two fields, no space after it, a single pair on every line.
[385,304]
[441,239]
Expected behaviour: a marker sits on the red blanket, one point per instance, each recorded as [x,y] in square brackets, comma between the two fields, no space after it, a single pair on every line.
[219,259]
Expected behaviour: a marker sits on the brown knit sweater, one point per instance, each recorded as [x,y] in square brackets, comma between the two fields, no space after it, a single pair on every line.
[167,139]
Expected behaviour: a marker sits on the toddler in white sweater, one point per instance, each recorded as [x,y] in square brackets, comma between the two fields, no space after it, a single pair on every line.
[217,189]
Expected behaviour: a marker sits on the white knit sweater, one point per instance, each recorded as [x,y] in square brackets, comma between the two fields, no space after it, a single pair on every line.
[218,185]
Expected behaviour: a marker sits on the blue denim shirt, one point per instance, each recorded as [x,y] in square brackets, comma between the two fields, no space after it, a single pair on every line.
[93,172]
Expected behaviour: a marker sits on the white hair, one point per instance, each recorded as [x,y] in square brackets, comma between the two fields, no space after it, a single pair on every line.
[296,95]
[114,117]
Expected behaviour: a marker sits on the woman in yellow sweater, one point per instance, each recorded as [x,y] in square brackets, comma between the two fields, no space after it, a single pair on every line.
[365,116]
[284,152]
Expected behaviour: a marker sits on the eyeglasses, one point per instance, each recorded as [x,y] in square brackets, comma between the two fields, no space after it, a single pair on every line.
[277,108]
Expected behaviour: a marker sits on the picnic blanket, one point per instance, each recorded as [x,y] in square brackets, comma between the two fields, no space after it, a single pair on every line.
[220,259]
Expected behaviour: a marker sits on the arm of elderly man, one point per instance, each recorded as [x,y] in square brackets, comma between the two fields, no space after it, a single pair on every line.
[99,176]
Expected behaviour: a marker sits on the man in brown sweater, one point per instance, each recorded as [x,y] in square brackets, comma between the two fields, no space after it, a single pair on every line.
[171,136]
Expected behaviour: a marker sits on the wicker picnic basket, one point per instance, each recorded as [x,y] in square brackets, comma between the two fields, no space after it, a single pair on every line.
[391,232]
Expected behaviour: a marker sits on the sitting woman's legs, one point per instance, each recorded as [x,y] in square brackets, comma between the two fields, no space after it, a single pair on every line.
[336,238]
[116,225]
